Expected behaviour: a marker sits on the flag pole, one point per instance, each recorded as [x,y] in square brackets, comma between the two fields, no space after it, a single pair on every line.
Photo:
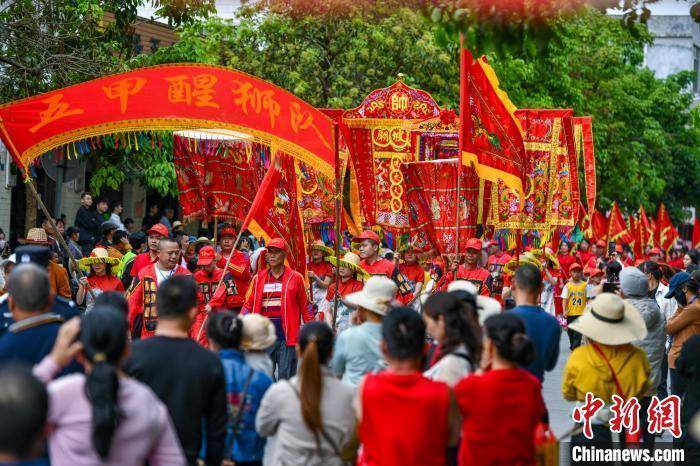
[338,199]
[464,121]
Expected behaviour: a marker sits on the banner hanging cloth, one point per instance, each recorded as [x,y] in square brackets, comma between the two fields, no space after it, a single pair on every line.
[583,132]
[431,192]
[490,134]
[667,233]
[275,211]
[617,227]
[169,97]
[646,228]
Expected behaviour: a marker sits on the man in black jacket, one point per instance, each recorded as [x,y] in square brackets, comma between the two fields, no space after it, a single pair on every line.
[188,378]
[89,223]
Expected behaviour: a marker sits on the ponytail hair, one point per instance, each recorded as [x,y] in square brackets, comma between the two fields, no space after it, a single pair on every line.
[316,344]
[225,329]
[461,324]
[507,332]
[103,334]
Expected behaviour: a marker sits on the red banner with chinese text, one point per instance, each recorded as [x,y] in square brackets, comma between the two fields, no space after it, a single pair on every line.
[599,226]
[275,211]
[666,232]
[490,135]
[431,191]
[169,97]
[646,229]
[617,227]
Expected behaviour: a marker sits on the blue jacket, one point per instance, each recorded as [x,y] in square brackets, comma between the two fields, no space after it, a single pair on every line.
[248,445]
[544,330]
[61,306]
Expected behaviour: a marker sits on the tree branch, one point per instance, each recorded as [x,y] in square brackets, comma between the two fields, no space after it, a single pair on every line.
[16,64]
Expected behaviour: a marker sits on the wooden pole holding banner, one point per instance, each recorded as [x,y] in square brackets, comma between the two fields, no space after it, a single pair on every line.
[464,116]
[338,213]
[54,228]
[216,230]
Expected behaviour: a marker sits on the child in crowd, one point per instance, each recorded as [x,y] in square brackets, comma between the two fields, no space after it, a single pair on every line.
[574,298]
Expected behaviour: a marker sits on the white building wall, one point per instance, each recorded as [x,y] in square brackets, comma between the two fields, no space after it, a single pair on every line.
[5,192]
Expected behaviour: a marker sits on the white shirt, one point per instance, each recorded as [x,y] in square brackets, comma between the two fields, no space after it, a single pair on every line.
[162,275]
[668,306]
[116,219]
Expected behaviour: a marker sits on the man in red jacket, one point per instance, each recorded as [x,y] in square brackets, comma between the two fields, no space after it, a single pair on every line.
[497,259]
[238,267]
[471,271]
[279,293]
[143,316]
[156,233]
[209,297]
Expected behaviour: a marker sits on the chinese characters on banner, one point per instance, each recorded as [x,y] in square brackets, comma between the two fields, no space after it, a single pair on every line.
[625,414]
[169,97]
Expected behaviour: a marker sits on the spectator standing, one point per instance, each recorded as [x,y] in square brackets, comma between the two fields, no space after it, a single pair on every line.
[405,418]
[308,418]
[357,349]
[542,328]
[24,406]
[153,217]
[88,222]
[168,217]
[58,276]
[116,209]
[124,420]
[634,288]
[688,366]
[504,403]
[245,388]
[609,364]
[683,324]
[458,337]
[129,225]
[73,234]
[278,293]
[194,389]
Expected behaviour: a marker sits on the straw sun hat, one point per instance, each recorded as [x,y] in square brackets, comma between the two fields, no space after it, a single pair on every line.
[525,258]
[611,321]
[350,261]
[98,255]
[376,296]
[35,236]
[258,332]
[319,245]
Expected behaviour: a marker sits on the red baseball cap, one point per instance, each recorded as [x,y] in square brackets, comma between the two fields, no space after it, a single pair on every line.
[655,251]
[158,229]
[277,243]
[228,231]
[593,271]
[474,243]
[369,235]
[619,249]
[206,255]
[575,266]
[600,243]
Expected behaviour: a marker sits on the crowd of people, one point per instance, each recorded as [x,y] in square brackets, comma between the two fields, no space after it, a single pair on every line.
[162,348]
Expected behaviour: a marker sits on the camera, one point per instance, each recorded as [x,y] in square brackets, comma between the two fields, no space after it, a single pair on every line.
[151,325]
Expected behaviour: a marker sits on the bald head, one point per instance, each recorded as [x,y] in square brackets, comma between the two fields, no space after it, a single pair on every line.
[29,288]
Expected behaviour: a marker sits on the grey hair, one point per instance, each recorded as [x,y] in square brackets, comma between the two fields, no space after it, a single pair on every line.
[29,287]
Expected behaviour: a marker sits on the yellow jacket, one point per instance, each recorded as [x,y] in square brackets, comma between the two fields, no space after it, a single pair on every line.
[586,371]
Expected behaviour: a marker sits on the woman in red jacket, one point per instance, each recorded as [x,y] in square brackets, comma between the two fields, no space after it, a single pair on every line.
[502,406]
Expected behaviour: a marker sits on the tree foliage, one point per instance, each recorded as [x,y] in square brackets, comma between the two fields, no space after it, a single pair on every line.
[647,143]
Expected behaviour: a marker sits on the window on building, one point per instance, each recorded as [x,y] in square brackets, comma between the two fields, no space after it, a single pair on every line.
[154,44]
[138,48]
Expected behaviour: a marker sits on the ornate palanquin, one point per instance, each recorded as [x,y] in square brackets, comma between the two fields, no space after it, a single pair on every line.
[380,140]
[551,191]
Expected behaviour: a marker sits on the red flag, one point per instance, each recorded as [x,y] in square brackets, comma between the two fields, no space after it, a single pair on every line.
[490,137]
[617,227]
[646,229]
[638,241]
[599,225]
[584,221]
[667,233]
[696,233]
[275,211]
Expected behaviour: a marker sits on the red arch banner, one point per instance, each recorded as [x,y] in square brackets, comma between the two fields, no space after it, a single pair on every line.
[169,97]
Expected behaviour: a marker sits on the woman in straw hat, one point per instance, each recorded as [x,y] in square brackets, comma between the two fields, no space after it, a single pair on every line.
[350,273]
[319,271]
[101,277]
[609,364]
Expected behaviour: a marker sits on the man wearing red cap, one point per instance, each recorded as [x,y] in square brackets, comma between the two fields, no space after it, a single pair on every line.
[471,271]
[369,253]
[655,255]
[143,315]
[156,233]
[209,297]
[279,293]
[497,259]
[598,261]
[238,267]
